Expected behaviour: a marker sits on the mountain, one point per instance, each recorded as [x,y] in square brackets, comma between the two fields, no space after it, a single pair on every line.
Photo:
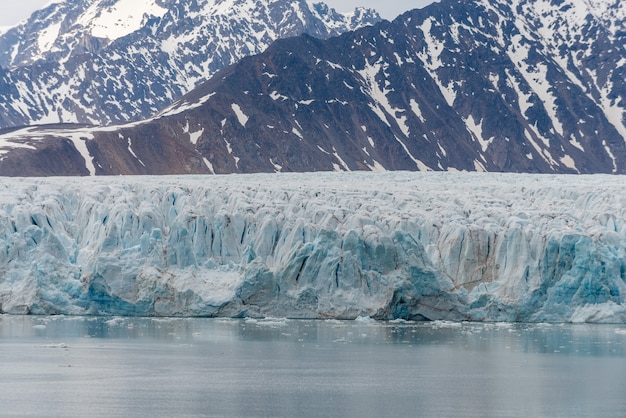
[522,86]
[105,61]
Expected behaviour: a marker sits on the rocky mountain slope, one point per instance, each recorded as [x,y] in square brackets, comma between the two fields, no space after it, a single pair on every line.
[104,61]
[522,86]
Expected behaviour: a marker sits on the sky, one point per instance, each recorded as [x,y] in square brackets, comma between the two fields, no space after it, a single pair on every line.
[15,11]
[389,9]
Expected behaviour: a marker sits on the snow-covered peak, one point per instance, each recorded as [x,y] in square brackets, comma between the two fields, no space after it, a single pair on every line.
[63,29]
[105,61]
[118,19]
[361,16]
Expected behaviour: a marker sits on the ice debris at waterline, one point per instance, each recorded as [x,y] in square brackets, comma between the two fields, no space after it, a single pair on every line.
[438,246]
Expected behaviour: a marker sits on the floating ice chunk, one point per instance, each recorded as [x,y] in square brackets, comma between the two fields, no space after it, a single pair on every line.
[60,345]
[113,322]
[272,322]
[446,324]
[364,320]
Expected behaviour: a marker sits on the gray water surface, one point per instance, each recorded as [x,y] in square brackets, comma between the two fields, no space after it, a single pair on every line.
[120,367]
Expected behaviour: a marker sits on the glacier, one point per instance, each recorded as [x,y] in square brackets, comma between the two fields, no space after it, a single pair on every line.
[395,245]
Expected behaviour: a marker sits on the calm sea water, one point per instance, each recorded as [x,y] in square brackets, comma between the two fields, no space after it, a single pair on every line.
[115,367]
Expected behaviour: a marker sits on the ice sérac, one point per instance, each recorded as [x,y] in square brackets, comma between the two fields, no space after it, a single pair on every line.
[429,246]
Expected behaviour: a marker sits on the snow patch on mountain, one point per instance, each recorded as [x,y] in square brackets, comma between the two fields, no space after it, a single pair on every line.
[48,36]
[120,18]
[241,116]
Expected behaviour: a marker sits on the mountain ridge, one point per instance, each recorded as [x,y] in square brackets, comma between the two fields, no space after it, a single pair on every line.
[458,85]
[114,61]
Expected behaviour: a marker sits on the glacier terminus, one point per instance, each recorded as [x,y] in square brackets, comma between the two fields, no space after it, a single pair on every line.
[415,246]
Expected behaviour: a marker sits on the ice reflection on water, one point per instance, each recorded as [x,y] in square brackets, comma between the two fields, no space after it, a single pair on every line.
[60,366]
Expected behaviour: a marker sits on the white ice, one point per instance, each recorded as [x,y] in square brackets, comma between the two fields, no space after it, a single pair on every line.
[438,246]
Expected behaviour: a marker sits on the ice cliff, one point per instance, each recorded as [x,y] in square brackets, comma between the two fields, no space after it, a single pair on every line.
[484,247]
